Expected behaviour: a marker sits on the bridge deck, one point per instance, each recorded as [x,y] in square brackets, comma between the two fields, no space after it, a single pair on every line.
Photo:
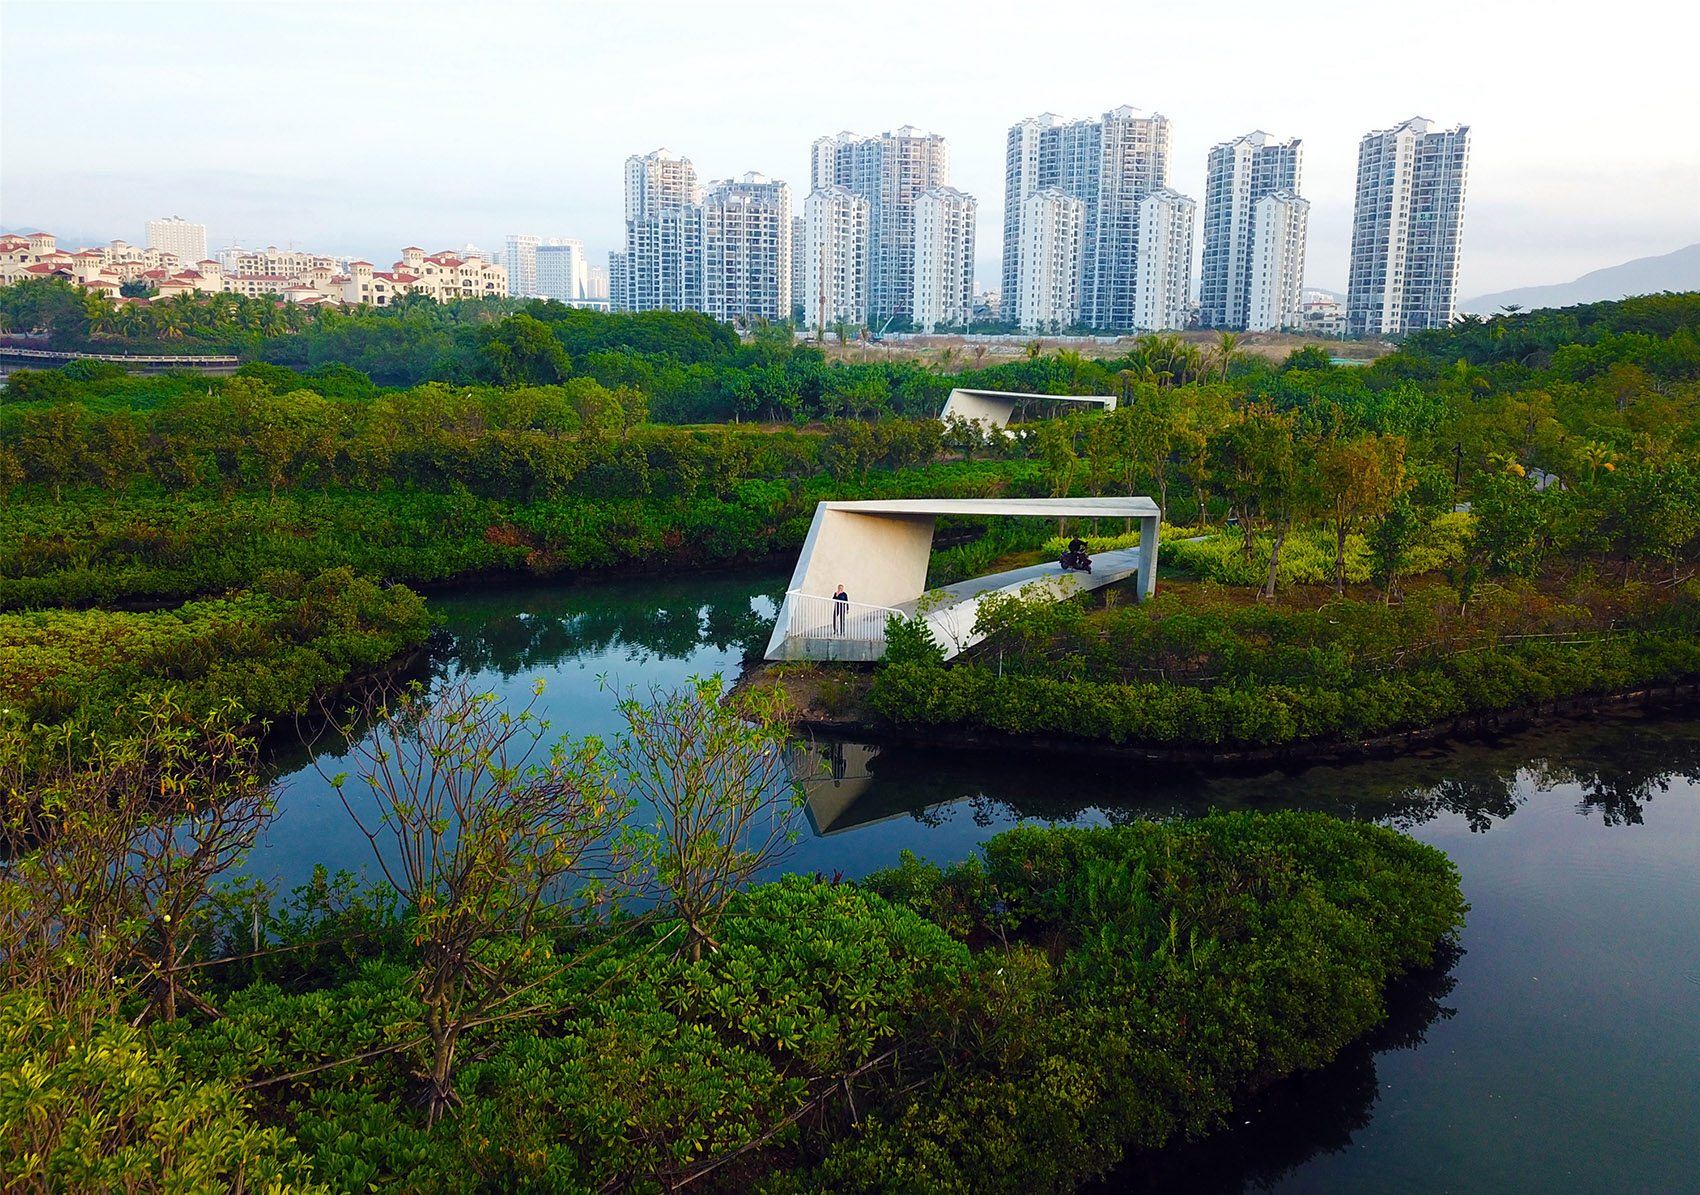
[950,612]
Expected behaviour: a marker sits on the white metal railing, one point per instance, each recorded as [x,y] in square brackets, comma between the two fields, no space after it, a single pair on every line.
[810,616]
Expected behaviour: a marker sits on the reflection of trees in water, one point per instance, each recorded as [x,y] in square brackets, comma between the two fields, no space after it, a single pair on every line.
[519,630]
[1287,1125]
[1480,800]
[1619,764]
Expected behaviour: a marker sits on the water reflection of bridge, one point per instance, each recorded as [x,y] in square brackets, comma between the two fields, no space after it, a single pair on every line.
[836,777]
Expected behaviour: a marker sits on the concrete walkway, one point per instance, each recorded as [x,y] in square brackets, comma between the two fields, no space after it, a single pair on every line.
[951,612]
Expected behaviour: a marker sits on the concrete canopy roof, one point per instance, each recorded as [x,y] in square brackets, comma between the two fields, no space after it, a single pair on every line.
[1039,508]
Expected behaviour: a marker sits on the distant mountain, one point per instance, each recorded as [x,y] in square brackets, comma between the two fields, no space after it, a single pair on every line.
[1679,271]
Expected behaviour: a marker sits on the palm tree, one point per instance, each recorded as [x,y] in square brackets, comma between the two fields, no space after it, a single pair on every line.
[1076,366]
[132,319]
[1227,347]
[101,313]
[1597,456]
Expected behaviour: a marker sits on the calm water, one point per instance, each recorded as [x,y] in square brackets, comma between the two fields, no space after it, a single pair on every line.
[1560,1051]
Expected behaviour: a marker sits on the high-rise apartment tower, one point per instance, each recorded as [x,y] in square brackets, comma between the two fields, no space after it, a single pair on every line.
[944,258]
[662,268]
[1110,165]
[837,268]
[1053,224]
[890,171]
[1162,296]
[1240,173]
[1047,151]
[177,235]
[560,271]
[521,260]
[1407,229]
[1275,287]
[746,255]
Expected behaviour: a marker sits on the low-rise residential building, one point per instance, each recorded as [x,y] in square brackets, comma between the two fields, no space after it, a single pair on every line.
[443,276]
[282,263]
[1322,315]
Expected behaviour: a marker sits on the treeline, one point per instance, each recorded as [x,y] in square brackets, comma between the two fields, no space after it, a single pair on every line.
[152,548]
[1576,462]
[527,443]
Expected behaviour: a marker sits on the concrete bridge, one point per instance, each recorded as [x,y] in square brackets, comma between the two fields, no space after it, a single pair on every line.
[12,357]
[879,552]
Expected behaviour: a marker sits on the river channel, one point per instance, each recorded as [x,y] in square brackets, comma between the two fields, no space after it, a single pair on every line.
[1558,1052]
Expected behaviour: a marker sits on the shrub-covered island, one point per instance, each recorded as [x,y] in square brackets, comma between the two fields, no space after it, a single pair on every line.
[1009,1024]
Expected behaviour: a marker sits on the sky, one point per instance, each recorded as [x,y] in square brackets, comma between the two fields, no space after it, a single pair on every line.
[360,127]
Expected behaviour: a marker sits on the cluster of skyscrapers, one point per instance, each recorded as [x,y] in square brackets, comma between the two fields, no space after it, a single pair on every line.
[881,236]
[1094,235]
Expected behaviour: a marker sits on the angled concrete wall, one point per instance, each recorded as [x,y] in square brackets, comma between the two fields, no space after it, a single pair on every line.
[879,559]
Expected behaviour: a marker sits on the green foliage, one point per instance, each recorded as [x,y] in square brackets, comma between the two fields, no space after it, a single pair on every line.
[1006,1024]
[717,783]
[96,1107]
[1258,713]
[266,652]
[648,500]
[1307,557]
[909,641]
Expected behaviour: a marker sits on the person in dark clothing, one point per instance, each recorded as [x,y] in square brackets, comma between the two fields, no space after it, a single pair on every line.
[1077,546]
[840,610]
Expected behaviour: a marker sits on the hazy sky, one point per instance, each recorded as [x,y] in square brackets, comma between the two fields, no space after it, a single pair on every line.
[360,127]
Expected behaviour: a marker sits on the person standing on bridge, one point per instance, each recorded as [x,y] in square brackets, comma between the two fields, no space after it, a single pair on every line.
[840,611]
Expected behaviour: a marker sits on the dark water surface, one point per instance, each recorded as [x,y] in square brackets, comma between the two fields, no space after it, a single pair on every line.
[1559,1051]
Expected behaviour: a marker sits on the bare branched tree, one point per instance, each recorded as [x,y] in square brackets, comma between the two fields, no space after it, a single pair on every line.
[113,845]
[716,782]
[482,823]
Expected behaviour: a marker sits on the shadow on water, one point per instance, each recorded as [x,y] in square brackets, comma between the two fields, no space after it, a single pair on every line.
[1300,1118]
